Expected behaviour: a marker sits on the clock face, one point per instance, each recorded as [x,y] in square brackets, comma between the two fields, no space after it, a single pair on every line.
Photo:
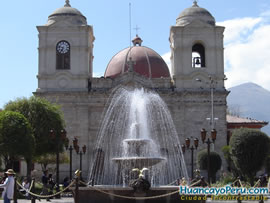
[62,47]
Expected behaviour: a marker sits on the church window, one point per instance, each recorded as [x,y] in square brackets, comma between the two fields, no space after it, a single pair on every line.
[63,55]
[198,56]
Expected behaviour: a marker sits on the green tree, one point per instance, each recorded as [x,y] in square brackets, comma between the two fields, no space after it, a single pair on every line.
[249,149]
[16,139]
[42,116]
[267,164]
[215,163]
[228,157]
[47,159]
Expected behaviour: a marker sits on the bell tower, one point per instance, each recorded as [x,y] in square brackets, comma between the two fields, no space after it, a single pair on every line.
[196,49]
[65,52]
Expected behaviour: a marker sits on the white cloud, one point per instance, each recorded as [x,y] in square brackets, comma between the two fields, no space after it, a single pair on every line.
[238,29]
[167,58]
[247,50]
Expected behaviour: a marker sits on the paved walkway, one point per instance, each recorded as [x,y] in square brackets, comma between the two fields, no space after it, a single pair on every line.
[214,201]
[62,200]
[71,200]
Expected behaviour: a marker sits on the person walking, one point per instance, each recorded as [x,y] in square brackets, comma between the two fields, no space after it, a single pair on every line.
[8,186]
[26,186]
[45,182]
[51,184]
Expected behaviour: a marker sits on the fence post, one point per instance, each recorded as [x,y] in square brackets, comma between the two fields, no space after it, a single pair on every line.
[77,189]
[238,200]
[15,190]
[33,198]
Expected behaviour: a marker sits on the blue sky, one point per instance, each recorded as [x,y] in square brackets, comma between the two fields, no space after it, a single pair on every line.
[247,44]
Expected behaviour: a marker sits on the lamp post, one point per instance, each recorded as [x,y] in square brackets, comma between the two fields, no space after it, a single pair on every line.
[212,84]
[70,148]
[80,153]
[192,148]
[208,142]
[59,140]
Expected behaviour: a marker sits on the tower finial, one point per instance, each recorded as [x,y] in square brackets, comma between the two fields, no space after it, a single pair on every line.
[195,3]
[137,40]
[67,4]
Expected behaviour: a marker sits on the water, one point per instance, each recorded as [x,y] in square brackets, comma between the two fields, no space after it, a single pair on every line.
[137,131]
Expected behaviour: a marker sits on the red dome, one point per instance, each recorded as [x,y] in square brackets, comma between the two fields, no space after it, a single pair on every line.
[146,62]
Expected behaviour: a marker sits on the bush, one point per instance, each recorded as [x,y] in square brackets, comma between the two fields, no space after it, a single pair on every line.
[249,149]
[228,157]
[215,163]
[267,164]
[16,138]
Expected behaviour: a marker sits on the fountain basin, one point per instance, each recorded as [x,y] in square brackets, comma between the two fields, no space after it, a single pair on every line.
[136,141]
[92,195]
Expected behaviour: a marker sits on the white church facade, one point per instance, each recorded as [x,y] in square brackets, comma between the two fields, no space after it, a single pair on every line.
[193,91]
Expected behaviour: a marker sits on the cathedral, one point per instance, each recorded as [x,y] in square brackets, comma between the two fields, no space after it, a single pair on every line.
[193,90]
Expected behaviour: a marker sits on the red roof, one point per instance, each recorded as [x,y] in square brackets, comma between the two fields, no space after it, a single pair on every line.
[237,122]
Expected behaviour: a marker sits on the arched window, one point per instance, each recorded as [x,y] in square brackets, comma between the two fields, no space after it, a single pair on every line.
[63,55]
[198,56]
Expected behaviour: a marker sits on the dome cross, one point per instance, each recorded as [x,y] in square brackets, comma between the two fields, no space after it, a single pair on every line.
[67,4]
[137,29]
[195,2]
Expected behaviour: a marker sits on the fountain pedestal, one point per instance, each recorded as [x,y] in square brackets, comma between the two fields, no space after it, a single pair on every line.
[136,155]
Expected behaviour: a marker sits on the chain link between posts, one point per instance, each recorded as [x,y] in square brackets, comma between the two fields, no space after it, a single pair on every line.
[127,197]
[25,189]
[99,190]
[45,196]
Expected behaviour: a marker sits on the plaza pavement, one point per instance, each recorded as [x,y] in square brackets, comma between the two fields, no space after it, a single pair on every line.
[62,200]
[71,200]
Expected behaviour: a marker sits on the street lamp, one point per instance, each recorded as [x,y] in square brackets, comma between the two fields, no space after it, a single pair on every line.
[192,148]
[76,147]
[70,148]
[59,140]
[80,152]
[208,142]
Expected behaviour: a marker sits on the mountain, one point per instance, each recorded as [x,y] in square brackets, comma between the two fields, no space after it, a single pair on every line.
[250,100]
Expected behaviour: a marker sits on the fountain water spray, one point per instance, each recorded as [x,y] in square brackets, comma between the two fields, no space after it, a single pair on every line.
[137,131]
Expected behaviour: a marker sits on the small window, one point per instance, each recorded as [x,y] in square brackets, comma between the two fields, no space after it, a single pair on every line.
[63,55]
[198,56]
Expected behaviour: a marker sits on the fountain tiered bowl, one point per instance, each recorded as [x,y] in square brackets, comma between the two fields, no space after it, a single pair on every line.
[137,154]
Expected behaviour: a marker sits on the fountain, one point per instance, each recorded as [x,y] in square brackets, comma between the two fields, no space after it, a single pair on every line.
[137,132]
[135,149]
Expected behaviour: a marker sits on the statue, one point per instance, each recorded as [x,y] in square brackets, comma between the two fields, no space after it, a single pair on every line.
[140,184]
